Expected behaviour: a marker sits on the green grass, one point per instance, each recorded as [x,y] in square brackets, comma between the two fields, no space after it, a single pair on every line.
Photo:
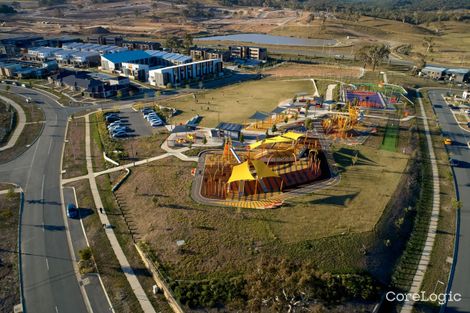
[238,102]
[390,140]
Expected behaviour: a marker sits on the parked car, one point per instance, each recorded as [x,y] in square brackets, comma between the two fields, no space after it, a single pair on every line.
[156,123]
[112,118]
[119,134]
[71,210]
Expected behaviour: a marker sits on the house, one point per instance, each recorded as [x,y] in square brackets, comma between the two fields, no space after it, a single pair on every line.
[459,75]
[248,52]
[141,45]
[26,69]
[113,61]
[433,72]
[185,73]
[136,71]
[106,40]
[229,130]
[207,53]
[93,85]
[169,58]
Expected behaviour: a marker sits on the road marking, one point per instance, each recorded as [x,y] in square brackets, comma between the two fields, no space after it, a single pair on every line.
[42,186]
[49,150]
[47,264]
[56,309]
[32,162]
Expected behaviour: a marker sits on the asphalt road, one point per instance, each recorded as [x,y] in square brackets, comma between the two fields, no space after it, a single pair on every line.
[49,281]
[460,152]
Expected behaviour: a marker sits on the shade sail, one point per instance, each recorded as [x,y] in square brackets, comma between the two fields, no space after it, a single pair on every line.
[292,135]
[241,172]
[262,170]
[256,144]
[277,139]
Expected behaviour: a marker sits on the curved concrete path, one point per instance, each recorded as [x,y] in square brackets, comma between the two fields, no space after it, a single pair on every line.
[19,128]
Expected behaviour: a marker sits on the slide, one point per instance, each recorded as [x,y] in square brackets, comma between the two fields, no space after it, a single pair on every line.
[235,155]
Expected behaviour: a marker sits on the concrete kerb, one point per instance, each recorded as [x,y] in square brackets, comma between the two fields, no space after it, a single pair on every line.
[432,227]
[19,127]
[67,232]
[20,264]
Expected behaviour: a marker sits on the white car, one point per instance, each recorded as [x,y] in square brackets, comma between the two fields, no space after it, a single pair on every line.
[468,144]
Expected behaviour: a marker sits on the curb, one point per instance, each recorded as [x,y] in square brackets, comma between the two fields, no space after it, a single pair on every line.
[20,264]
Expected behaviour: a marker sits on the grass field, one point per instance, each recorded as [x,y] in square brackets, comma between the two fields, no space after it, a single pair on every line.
[390,139]
[224,241]
[74,162]
[238,102]
[34,118]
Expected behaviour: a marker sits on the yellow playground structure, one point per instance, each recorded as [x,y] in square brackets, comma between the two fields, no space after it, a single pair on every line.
[264,170]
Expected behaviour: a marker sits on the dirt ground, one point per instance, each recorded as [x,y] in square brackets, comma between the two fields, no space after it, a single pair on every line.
[9,288]
[313,70]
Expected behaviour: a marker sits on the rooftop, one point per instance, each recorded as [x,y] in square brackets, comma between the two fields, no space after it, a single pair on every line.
[126,56]
[230,127]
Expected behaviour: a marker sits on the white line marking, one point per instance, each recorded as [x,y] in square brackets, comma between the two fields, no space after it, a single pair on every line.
[42,186]
[49,150]
[47,264]
[56,309]
[32,162]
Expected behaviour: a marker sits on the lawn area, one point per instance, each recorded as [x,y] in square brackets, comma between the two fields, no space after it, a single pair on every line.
[238,102]
[32,130]
[9,288]
[391,136]
[74,162]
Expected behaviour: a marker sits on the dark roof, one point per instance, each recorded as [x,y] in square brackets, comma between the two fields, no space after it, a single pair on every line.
[182,128]
[230,127]
[259,116]
[126,56]
[278,110]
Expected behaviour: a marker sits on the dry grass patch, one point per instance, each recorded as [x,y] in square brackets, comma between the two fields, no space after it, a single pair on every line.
[74,154]
[222,241]
[238,102]
[314,70]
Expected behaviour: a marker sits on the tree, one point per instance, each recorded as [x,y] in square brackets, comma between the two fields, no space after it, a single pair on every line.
[204,140]
[428,43]
[119,94]
[187,41]
[174,43]
[274,128]
[242,138]
[373,55]
[7,88]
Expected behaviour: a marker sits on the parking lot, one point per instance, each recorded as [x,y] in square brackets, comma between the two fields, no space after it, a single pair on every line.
[138,123]
[134,124]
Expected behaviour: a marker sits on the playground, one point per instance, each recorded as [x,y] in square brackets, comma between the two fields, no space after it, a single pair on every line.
[261,175]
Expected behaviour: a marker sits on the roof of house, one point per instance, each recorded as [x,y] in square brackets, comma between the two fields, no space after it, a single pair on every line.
[462,71]
[126,56]
[434,69]
[170,56]
[230,127]
[259,116]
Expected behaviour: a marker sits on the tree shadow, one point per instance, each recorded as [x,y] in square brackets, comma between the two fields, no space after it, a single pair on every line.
[335,200]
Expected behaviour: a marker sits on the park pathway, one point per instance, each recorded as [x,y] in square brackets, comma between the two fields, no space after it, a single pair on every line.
[124,263]
[432,228]
[329,92]
[19,128]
